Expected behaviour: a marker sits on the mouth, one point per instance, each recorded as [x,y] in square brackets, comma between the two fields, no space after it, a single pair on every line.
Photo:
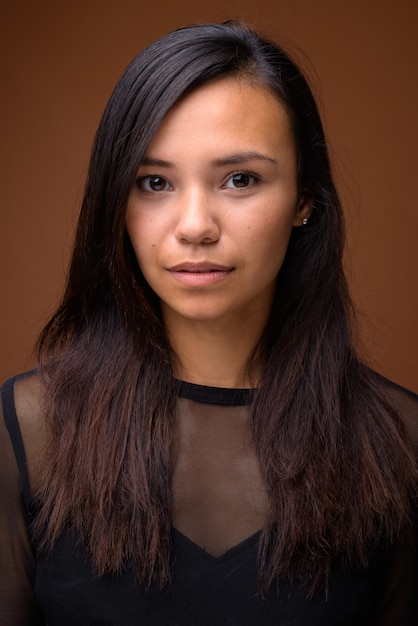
[203,267]
[201,274]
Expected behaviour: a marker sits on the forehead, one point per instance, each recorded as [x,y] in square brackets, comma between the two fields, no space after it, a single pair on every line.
[224,112]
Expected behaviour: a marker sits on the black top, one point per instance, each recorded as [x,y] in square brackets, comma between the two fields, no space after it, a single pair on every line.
[61,589]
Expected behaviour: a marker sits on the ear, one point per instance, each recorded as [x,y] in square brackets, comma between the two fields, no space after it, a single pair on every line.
[304,210]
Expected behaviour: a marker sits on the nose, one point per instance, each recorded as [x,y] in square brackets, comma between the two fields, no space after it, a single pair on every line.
[197,221]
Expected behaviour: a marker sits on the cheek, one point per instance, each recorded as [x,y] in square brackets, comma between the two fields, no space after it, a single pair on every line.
[269,244]
[143,238]
[273,230]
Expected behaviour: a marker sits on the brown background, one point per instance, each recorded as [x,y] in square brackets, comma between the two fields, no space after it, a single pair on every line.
[59,64]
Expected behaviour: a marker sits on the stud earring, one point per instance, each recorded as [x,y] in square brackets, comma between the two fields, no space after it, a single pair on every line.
[305,221]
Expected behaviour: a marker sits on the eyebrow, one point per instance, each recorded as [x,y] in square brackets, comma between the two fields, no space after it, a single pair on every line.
[243,157]
[158,162]
[233,159]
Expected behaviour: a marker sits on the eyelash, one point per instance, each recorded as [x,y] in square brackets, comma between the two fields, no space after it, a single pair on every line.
[142,180]
[255,178]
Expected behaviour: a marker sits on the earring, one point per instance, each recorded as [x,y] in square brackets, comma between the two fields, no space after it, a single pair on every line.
[305,221]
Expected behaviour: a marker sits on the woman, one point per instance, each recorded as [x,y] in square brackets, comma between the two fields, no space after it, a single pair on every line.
[200,443]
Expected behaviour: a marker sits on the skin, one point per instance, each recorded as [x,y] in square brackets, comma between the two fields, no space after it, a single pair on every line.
[210,217]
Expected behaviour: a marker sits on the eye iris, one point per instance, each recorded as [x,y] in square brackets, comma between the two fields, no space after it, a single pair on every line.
[241,180]
[156,183]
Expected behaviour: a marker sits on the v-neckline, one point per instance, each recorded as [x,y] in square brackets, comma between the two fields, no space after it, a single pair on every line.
[199,552]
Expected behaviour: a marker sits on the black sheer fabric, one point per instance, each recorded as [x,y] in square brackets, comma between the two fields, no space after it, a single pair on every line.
[219,497]
[219,508]
[20,449]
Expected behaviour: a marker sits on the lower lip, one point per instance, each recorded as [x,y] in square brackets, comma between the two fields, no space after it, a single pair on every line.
[201,279]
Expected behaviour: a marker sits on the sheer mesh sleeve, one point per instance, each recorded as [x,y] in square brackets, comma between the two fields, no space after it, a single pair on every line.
[399,603]
[18,605]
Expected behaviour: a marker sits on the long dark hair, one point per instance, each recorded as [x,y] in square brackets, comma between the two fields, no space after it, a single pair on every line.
[322,424]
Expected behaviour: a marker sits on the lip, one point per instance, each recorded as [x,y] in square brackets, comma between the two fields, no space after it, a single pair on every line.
[200,274]
[200,267]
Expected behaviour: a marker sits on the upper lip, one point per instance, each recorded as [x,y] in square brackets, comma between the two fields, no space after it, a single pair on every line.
[203,266]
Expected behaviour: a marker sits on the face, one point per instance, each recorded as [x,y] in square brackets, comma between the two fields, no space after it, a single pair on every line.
[214,203]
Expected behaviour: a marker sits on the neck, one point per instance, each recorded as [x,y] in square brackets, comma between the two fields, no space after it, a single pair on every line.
[213,353]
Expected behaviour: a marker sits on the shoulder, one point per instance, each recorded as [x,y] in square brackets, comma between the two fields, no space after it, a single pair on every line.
[26,389]
[405,402]
[24,417]
[22,400]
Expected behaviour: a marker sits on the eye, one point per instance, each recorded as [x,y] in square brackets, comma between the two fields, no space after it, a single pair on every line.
[152,184]
[240,180]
